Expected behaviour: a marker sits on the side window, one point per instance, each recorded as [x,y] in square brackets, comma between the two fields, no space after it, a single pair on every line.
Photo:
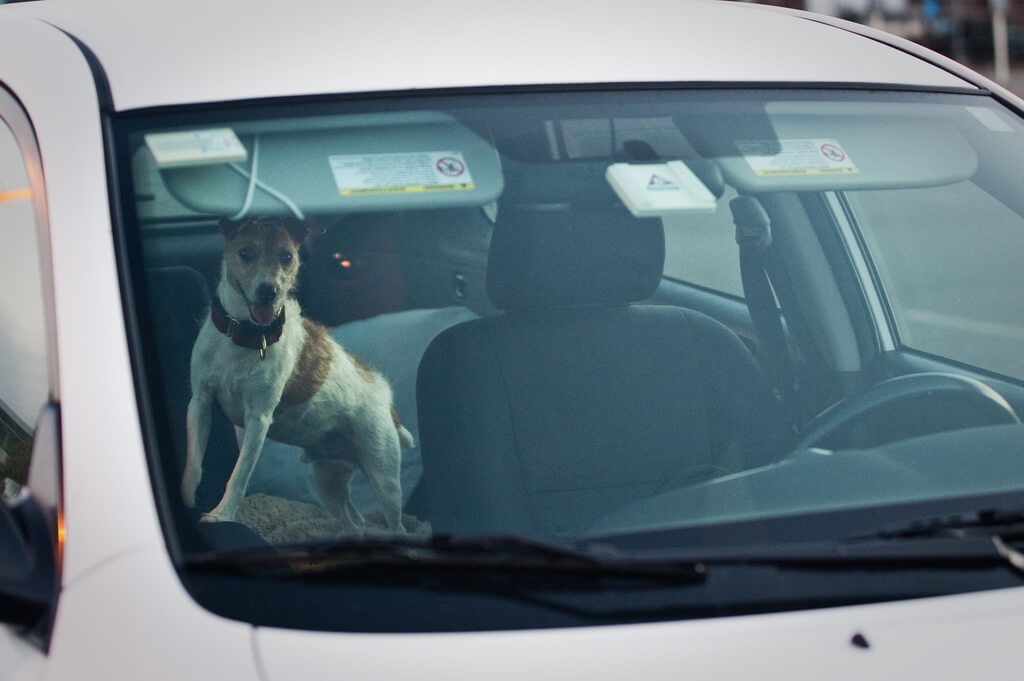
[24,381]
[950,260]
[702,250]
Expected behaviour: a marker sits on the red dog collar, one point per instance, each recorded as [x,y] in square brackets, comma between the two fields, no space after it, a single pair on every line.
[246,334]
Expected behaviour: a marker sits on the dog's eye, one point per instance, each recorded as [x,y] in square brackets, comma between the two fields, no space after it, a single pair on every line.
[245,255]
[286,257]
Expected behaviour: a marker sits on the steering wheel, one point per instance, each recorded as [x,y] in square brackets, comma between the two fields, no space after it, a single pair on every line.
[907,406]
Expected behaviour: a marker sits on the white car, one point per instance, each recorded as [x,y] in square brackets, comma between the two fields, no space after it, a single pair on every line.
[705,320]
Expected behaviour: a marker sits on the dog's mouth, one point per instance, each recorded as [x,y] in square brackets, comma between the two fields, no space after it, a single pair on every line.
[261,310]
[262,313]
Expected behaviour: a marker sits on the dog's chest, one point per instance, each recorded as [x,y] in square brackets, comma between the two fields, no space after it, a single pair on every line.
[283,384]
[249,384]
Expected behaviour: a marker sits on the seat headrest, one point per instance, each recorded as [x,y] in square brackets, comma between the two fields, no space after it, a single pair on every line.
[560,256]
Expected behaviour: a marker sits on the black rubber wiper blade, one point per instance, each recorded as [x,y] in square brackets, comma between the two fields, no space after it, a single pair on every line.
[504,554]
[872,554]
[988,522]
[987,530]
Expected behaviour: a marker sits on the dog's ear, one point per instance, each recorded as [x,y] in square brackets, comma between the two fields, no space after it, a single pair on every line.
[229,228]
[301,230]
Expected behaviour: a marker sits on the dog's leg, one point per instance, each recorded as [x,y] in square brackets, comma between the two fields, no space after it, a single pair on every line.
[332,480]
[198,426]
[381,461]
[256,427]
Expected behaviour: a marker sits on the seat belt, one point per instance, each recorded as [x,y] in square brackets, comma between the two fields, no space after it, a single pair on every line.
[754,237]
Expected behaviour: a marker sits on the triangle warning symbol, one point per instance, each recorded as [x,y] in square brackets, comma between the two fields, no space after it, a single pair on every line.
[659,181]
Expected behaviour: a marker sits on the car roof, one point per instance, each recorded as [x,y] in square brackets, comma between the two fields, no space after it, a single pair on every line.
[190,51]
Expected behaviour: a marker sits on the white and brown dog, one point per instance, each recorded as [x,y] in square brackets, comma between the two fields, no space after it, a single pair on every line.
[279,375]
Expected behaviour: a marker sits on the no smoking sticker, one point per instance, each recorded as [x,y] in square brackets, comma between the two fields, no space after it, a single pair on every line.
[449,166]
[796,157]
[833,153]
[400,173]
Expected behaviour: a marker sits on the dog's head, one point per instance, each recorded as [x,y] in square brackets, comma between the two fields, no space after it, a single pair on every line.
[261,261]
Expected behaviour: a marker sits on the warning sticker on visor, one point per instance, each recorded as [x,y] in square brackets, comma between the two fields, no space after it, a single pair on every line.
[400,173]
[796,157]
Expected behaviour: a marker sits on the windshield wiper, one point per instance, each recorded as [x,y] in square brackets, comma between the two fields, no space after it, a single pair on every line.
[508,555]
[972,540]
[1006,522]
[995,525]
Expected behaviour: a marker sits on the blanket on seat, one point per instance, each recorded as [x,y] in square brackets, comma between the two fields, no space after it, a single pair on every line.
[286,521]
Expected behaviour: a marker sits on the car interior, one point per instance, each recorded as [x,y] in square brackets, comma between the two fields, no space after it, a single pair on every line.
[555,377]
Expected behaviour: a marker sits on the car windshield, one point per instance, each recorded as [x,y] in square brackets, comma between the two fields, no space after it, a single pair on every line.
[486,341]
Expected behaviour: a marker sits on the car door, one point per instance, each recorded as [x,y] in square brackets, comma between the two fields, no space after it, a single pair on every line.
[29,416]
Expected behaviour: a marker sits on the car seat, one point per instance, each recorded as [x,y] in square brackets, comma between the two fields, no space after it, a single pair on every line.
[576,400]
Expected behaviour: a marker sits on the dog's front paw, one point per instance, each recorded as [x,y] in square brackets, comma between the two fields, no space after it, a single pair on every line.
[216,517]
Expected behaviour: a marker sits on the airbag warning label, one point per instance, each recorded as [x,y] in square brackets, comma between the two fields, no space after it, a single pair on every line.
[796,157]
[400,173]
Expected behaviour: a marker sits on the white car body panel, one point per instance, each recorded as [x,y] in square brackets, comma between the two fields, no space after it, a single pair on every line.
[123,613]
[96,388]
[551,44]
[151,629]
[114,544]
[918,639]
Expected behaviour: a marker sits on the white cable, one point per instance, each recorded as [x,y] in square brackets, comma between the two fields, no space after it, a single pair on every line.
[250,193]
[254,182]
[291,205]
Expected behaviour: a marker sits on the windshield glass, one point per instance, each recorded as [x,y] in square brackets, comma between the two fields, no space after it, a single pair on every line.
[660,323]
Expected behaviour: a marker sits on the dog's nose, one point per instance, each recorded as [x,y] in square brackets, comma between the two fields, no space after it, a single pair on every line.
[266,293]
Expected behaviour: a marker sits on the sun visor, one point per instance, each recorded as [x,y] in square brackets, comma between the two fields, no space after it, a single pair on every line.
[845,153]
[398,161]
